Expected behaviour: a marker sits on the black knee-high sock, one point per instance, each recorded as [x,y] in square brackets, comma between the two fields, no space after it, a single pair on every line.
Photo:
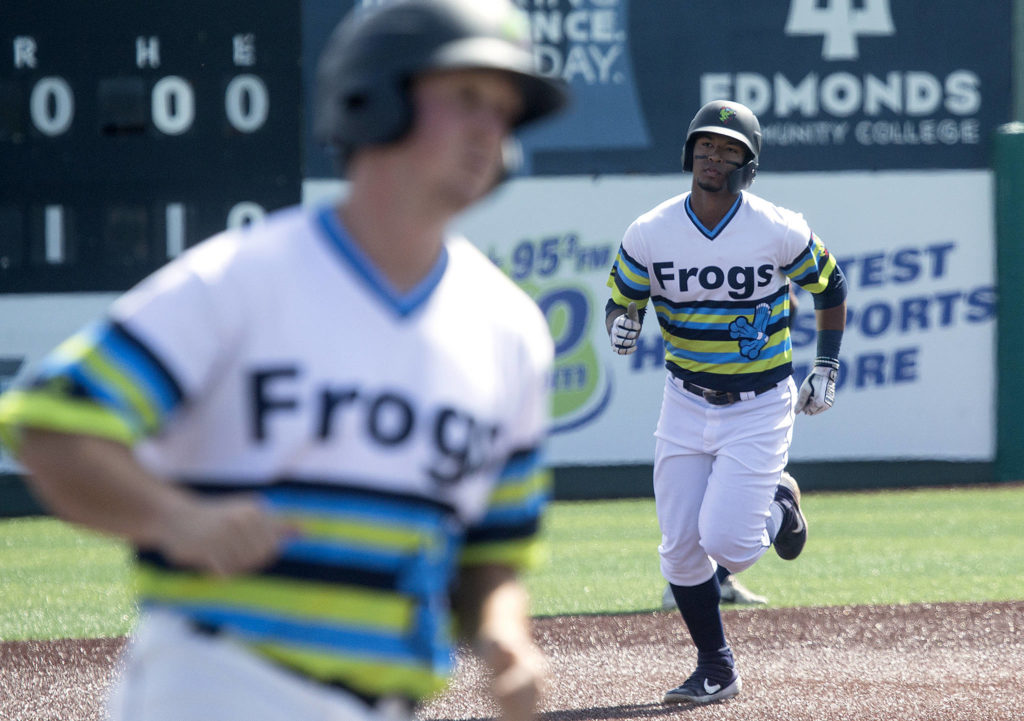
[699,608]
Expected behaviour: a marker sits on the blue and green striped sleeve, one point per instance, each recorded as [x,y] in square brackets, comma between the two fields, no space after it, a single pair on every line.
[812,269]
[629,280]
[102,381]
[508,532]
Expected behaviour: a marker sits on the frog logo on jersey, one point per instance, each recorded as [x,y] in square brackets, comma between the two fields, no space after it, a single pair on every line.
[724,114]
[753,336]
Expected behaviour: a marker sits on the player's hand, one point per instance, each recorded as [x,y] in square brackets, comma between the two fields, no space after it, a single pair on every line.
[518,681]
[222,536]
[625,330]
[818,391]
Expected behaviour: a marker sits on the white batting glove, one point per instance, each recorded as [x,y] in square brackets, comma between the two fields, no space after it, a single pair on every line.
[818,391]
[625,330]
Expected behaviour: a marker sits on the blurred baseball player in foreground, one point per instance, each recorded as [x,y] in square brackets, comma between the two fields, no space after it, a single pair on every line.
[312,432]
[716,263]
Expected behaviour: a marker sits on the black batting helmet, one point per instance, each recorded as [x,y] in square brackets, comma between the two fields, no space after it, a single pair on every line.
[736,121]
[364,73]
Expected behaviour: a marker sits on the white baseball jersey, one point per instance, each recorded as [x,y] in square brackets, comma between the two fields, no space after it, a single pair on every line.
[401,432]
[721,294]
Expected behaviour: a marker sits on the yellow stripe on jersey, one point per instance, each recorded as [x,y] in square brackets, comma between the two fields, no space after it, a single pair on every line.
[90,357]
[44,410]
[716,350]
[524,489]
[808,270]
[364,534]
[302,601]
[526,553]
[360,673]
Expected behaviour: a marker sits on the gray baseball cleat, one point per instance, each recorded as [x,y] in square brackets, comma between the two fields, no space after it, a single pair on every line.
[707,684]
[792,535]
[732,592]
[735,592]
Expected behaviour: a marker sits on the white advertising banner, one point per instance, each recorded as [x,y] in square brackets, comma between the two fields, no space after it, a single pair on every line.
[917,248]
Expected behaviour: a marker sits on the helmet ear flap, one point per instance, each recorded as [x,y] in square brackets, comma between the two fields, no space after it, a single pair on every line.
[375,114]
[743,176]
[688,154]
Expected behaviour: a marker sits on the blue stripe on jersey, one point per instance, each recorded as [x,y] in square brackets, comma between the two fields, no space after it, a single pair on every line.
[403,304]
[521,463]
[678,318]
[403,510]
[352,541]
[107,364]
[714,232]
[133,354]
[812,268]
[330,553]
[262,627]
[517,501]
[629,277]
[770,351]
[625,261]
[518,514]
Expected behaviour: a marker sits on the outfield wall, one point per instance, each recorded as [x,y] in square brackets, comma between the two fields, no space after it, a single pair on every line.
[917,248]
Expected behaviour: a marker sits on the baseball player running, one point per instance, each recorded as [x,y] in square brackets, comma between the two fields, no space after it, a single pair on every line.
[716,264]
[309,431]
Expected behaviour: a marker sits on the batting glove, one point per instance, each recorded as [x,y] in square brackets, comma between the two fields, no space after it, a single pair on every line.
[625,330]
[818,391]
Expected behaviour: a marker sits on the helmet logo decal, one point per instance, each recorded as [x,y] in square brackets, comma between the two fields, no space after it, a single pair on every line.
[515,27]
[724,114]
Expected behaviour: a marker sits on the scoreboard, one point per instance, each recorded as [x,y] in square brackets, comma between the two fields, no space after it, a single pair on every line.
[130,131]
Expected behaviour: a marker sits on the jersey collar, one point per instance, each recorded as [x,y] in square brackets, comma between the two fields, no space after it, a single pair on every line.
[351,255]
[714,232]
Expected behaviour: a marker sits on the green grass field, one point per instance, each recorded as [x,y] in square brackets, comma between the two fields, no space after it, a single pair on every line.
[928,545]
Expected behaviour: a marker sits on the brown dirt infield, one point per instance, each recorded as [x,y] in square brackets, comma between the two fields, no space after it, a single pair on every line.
[924,662]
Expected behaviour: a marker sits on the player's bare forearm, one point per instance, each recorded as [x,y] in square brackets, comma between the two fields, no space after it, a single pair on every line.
[95,482]
[100,484]
[493,608]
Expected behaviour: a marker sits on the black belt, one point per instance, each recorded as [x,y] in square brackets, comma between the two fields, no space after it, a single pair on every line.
[720,398]
[374,702]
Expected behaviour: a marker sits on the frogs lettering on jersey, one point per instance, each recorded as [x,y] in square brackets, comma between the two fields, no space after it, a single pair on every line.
[462,443]
[742,279]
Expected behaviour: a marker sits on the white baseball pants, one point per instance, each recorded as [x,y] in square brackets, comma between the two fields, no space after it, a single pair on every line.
[173,673]
[715,473]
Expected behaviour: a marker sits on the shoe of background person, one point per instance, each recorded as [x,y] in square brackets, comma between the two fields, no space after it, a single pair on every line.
[707,684]
[735,592]
[792,535]
[732,592]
